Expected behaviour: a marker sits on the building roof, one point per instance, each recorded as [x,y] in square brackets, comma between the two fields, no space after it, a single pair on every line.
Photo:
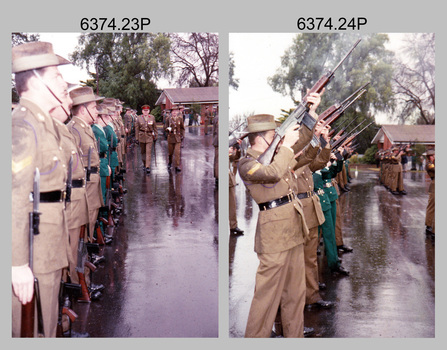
[198,95]
[406,134]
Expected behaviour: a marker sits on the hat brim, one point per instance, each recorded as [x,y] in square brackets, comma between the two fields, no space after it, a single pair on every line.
[37,61]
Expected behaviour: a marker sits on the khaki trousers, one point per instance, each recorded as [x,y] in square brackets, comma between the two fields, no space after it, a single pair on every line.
[174,150]
[280,280]
[232,207]
[146,153]
[338,231]
[311,263]
[49,284]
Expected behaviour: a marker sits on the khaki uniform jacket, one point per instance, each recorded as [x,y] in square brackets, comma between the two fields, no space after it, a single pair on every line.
[36,144]
[177,128]
[145,129]
[77,209]
[280,228]
[85,138]
[311,206]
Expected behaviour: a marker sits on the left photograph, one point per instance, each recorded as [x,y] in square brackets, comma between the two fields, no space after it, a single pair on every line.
[114,185]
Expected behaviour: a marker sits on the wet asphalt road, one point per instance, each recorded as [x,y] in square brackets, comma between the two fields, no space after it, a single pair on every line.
[390,292]
[161,270]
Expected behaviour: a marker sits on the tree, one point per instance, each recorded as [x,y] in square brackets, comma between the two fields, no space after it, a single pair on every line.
[196,58]
[305,62]
[414,80]
[233,82]
[20,38]
[127,65]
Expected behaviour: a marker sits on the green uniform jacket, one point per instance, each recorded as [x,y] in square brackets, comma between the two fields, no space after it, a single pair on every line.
[103,149]
[113,143]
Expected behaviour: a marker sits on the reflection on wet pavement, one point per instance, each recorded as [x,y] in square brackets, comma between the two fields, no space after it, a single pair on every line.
[391,288]
[161,271]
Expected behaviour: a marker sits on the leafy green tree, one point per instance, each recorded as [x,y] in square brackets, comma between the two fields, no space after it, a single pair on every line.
[369,156]
[127,65]
[311,55]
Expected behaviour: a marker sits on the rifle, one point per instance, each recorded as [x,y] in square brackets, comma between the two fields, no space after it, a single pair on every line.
[341,131]
[347,139]
[89,163]
[233,140]
[344,105]
[336,143]
[69,181]
[27,327]
[66,291]
[82,259]
[300,115]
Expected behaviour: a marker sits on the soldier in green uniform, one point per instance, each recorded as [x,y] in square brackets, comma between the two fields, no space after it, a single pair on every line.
[322,181]
[101,138]
[36,145]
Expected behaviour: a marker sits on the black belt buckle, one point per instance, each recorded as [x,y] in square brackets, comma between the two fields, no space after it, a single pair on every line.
[276,202]
[304,195]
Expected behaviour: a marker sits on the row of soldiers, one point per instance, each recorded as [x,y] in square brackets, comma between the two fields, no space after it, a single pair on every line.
[391,175]
[297,194]
[68,157]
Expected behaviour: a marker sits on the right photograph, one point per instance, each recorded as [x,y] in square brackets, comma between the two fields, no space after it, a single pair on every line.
[332,185]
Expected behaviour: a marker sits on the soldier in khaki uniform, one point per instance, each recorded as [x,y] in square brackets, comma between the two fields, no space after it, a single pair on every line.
[430,212]
[207,119]
[314,217]
[175,130]
[36,144]
[396,183]
[84,115]
[146,135]
[281,229]
[76,206]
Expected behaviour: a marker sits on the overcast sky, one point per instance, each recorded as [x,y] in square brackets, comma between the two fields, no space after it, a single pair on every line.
[256,56]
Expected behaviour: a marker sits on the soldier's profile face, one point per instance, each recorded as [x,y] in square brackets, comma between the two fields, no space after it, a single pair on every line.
[55,81]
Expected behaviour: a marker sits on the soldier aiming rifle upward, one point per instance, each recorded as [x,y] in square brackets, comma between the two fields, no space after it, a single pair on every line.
[301,114]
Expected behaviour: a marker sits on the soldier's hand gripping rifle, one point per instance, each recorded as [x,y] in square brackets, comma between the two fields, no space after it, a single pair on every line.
[27,326]
[300,115]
